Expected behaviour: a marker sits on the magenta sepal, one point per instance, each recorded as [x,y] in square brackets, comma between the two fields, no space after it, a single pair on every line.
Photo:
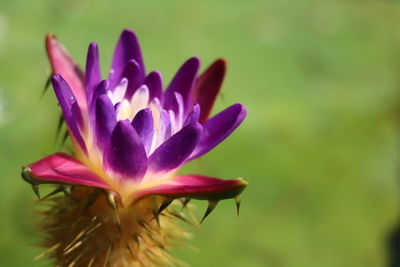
[196,187]
[64,169]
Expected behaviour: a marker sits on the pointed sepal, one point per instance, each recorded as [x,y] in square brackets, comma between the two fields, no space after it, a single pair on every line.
[111,200]
[156,217]
[91,200]
[211,206]
[67,189]
[195,187]
[237,201]
[167,201]
[35,189]
[56,190]
[46,86]
[25,174]
[185,201]
[61,168]
[60,123]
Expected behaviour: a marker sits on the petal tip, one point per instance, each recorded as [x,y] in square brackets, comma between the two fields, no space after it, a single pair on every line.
[241,182]
[50,41]
[93,45]
[240,112]
[125,154]
[93,49]
[222,61]
[56,80]
[221,64]
[127,31]
[50,37]
[195,61]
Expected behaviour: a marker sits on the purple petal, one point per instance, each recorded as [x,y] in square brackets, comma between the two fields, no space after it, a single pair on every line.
[164,131]
[125,155]
[105,120]
[100,89]
[179,111]
[127,48]
[197,187]
[154,83]
[172,153]
[66,100]
[182,83]
[218,128]
[207,87]
[62,168]
[194,115]
[93,73]
[134,74]
[144,126]
[77,115]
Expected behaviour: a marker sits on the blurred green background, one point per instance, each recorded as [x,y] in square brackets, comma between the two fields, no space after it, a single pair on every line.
[321,83]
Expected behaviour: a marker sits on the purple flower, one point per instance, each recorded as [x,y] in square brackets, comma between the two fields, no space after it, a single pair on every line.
[129,139]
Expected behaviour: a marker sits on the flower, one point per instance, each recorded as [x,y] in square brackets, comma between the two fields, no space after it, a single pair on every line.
[129,139]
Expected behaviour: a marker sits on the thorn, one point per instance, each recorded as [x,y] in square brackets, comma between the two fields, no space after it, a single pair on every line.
[74,241]
[57,190]
[93,228]
[165,204]
[76,245]
[155,209]
[118,221]
[111,200]
[113,204]
[179,215]
[47,251]
[156,217]
[46,86]
[185,202]
[91,200]
[35,188]
[67,189]
[26,175]
[237,201]
[130,251]
[136,238]
[59,125]
[211,206]
[108,254]
[91,262]
[146,226]
[64,138]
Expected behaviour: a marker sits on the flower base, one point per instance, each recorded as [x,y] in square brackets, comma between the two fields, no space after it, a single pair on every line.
[84,229]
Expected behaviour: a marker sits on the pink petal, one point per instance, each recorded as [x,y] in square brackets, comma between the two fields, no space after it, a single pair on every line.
[197,187]
[62,168]
[62,63]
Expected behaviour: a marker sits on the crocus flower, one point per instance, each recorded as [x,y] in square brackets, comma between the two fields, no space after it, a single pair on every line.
[129,139]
